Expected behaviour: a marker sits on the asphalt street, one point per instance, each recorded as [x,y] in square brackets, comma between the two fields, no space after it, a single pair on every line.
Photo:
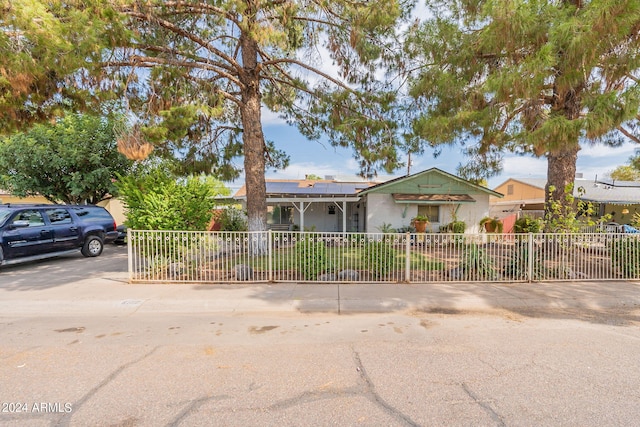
[92,350]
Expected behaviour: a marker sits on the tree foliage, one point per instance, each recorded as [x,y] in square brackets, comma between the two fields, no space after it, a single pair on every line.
[195,76]
[74,160]
[535,78]
[156,200]
[45,47]
[625,173]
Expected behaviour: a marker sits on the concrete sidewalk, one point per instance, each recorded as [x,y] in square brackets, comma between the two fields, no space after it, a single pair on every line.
[113,295]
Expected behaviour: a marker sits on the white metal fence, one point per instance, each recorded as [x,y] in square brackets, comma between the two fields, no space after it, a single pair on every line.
[274,256]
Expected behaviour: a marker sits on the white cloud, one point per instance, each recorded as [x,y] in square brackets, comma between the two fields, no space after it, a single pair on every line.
[600,150]
[520,166]
[268,117]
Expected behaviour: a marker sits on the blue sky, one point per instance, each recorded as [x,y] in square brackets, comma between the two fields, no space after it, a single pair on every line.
[311,157]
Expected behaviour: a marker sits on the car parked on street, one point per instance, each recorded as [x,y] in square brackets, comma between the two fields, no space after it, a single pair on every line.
[32,232]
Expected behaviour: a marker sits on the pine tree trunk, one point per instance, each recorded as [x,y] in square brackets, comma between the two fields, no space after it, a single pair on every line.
[561,161]
[561,171]
[253,138]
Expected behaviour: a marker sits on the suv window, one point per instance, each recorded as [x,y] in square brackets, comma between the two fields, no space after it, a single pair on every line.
[58,216]
[32,216]
[4,214]
[93,214]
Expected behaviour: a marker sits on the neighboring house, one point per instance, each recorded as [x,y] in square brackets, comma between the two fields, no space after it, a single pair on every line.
[334,205]
[5,197]
[116,208]
[620,199]
[521,196]
[113,205]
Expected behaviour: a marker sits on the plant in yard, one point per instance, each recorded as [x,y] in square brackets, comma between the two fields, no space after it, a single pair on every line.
[625,256]
[572,214]
[528,224]
[156,200]
[311,255]
[420,222]
[475,264]
[456,227]
[517,266]
[380,258]
[491,225]
[232,219]
[386,228]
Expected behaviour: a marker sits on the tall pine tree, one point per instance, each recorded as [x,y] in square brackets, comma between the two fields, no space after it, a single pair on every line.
[197,74]
[539,77]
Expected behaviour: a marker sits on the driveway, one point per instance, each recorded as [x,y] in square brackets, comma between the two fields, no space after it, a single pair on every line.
[63,270]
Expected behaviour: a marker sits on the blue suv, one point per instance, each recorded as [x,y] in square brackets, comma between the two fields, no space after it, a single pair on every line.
[32,232]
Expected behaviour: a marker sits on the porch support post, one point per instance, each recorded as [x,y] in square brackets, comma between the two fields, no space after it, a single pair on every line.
[407,257]
[344,216]
[301,216]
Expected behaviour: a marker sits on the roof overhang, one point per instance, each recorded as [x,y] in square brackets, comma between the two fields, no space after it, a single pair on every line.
[611,202]
[311,199]
[433,199]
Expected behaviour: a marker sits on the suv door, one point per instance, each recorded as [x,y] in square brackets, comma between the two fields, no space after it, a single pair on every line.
[27,234]
[66,233]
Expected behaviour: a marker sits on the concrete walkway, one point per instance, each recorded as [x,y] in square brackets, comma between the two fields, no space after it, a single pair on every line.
[112,294]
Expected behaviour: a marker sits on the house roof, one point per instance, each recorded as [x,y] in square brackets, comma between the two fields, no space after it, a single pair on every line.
[601,192]
[433,198]
[305,188]
[431,181]
[533,182]
[598,191]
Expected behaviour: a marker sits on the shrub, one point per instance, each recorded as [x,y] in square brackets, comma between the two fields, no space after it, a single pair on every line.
[156,200]
[517,266]
[625,256]
[380,258]
[232,219]
[527,224]
[475,264]
[457,227]
[311,256]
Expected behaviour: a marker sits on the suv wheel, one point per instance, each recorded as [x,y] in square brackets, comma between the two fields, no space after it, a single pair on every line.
[92,246]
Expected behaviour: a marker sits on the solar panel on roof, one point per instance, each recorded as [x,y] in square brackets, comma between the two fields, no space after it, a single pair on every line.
[315,189]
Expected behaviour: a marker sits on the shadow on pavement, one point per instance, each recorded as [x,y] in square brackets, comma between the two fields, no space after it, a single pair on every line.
[52,272]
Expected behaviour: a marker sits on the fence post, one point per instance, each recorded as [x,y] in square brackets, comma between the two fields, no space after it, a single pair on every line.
[270,254]
[530,258]
[407,262]
[130,254]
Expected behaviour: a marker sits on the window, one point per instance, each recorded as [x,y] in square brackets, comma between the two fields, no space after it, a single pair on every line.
[93,214]
[279,214]
[430,211]
[58,216]
[33,217]
[509,189]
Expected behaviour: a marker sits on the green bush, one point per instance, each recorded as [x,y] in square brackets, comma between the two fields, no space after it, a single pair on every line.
[311,256]
[625,256]
[157,200]
[380,258]
[457,227]
[517,266]
[232,219]
[527,225]
[475,264]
